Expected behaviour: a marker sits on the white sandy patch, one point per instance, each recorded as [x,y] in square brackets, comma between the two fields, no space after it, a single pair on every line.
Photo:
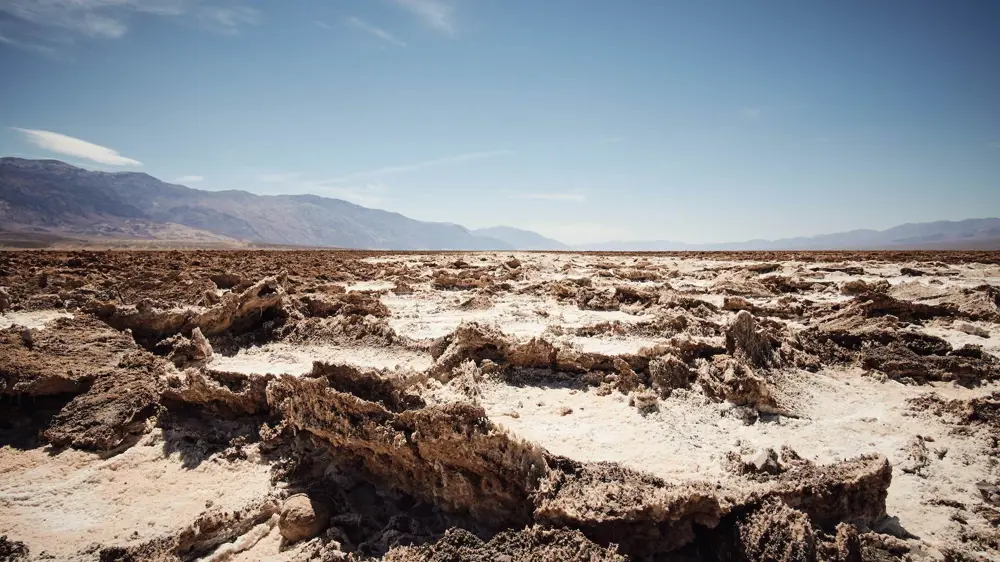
[844,415]
[519,316]
[370,286]
[60,503]
[281,358]
[958,338]
[34,319]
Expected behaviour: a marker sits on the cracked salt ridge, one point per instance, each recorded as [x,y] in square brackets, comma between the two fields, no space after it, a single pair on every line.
[60,503]
[34,319]
[282,358]
[843,415]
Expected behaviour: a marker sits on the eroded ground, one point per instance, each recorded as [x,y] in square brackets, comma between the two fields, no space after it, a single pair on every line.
[492,406]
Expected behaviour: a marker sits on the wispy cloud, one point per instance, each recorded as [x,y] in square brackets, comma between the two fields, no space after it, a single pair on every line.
[994,144]
[613,140]
[439,14]
[322,24]
[71,146]
[27,46]
[391,170]
[376,31]
[294,183]
[50,25]
[569,196]
[752,113]
[365,194]
[189,179]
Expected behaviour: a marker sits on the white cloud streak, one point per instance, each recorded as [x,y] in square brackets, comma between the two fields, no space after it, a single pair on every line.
[183,180]
[47,25]
[78,148]
[364,194]
[438,14]
[376,31]
[27,46]
[574,197]
[392,170]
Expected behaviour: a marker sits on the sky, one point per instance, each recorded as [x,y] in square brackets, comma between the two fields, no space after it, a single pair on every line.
[584,120]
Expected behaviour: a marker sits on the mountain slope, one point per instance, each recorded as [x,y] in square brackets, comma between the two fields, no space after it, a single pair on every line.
[62,198]
[964,234]
[520,239]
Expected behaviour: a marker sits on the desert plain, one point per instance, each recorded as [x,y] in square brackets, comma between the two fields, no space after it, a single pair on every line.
[342,405]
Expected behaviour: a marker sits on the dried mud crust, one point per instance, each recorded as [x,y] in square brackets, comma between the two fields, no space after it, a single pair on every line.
[443,481]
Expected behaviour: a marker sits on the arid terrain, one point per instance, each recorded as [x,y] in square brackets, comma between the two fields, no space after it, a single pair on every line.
[499,406]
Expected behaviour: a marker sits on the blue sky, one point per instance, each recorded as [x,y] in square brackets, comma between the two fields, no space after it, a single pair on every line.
[584,120]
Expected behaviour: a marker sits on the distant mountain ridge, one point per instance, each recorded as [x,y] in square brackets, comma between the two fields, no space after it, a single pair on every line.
[980,234]
[52,196]
[521,239]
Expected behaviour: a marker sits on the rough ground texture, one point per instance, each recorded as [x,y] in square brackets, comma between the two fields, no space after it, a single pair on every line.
[486,406]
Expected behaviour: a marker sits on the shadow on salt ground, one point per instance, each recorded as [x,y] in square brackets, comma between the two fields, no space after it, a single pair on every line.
[196,439]
[23,418]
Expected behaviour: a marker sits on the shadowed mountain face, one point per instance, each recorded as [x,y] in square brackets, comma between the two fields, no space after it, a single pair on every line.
[56,197]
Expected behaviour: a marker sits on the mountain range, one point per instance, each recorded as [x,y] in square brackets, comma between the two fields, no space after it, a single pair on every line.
[49,198]
[972,234]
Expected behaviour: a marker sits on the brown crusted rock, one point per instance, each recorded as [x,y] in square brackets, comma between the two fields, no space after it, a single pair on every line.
[737,304]
[5,301]
[972,330]
[536,352]
[11,550]
[533,543]
[977,303]
[744,341]
[115,407]
[352,303]
[667,373]
[184,351]
[451,456]
[851,490]
[223,394]
[302,518]
[645,401]
[776,533]
[479,301]
[873,305]
[236,313]
[387,389]
[228,280]
[464,282]
[402,288]
[469,341]
[612,504]
[737,383]
[860,287]
[766,462]
[64,358]
[899,362]
[847,544]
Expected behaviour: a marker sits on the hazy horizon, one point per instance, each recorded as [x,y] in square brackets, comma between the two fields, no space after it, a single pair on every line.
[582,121]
